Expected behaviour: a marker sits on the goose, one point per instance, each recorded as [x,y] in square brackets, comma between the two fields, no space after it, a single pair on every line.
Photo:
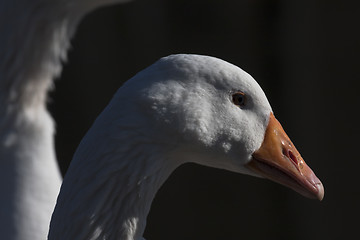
[183,108]
[34,38]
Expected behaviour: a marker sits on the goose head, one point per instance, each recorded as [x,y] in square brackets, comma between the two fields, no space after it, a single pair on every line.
[215,114]
[183,108]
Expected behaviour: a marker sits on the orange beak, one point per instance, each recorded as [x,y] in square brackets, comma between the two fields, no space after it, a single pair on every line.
[277,159]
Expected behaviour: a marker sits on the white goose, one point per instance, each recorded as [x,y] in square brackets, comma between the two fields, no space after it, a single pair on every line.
[184,108]
[34,37]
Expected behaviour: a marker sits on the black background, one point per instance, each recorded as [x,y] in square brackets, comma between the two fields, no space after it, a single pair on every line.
[305,55]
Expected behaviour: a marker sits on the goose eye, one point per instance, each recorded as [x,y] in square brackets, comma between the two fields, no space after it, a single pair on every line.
[239,99]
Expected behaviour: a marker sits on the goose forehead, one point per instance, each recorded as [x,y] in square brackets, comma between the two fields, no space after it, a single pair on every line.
[204,73]
[182,75]
[196,69]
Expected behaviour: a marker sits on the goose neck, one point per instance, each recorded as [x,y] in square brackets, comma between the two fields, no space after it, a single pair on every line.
[118,187]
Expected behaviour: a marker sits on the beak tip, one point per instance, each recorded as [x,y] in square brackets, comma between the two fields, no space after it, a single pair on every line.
[321,192]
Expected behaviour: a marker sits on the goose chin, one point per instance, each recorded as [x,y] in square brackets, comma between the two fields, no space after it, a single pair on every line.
[312,188]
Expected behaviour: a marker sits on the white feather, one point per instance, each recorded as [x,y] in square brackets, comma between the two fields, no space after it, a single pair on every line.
[34,38]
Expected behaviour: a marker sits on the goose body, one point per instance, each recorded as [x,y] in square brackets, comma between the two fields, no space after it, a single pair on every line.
[184,108]
[34,38]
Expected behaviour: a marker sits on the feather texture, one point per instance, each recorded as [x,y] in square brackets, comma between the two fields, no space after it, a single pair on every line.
[34,38]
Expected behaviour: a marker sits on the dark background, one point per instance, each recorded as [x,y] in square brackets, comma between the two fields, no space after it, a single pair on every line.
[305,55]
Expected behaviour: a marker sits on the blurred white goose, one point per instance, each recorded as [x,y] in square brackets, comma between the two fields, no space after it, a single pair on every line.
[184,108]
[34,37]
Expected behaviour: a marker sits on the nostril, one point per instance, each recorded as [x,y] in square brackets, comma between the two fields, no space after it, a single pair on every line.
[293,157]
[290,155]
